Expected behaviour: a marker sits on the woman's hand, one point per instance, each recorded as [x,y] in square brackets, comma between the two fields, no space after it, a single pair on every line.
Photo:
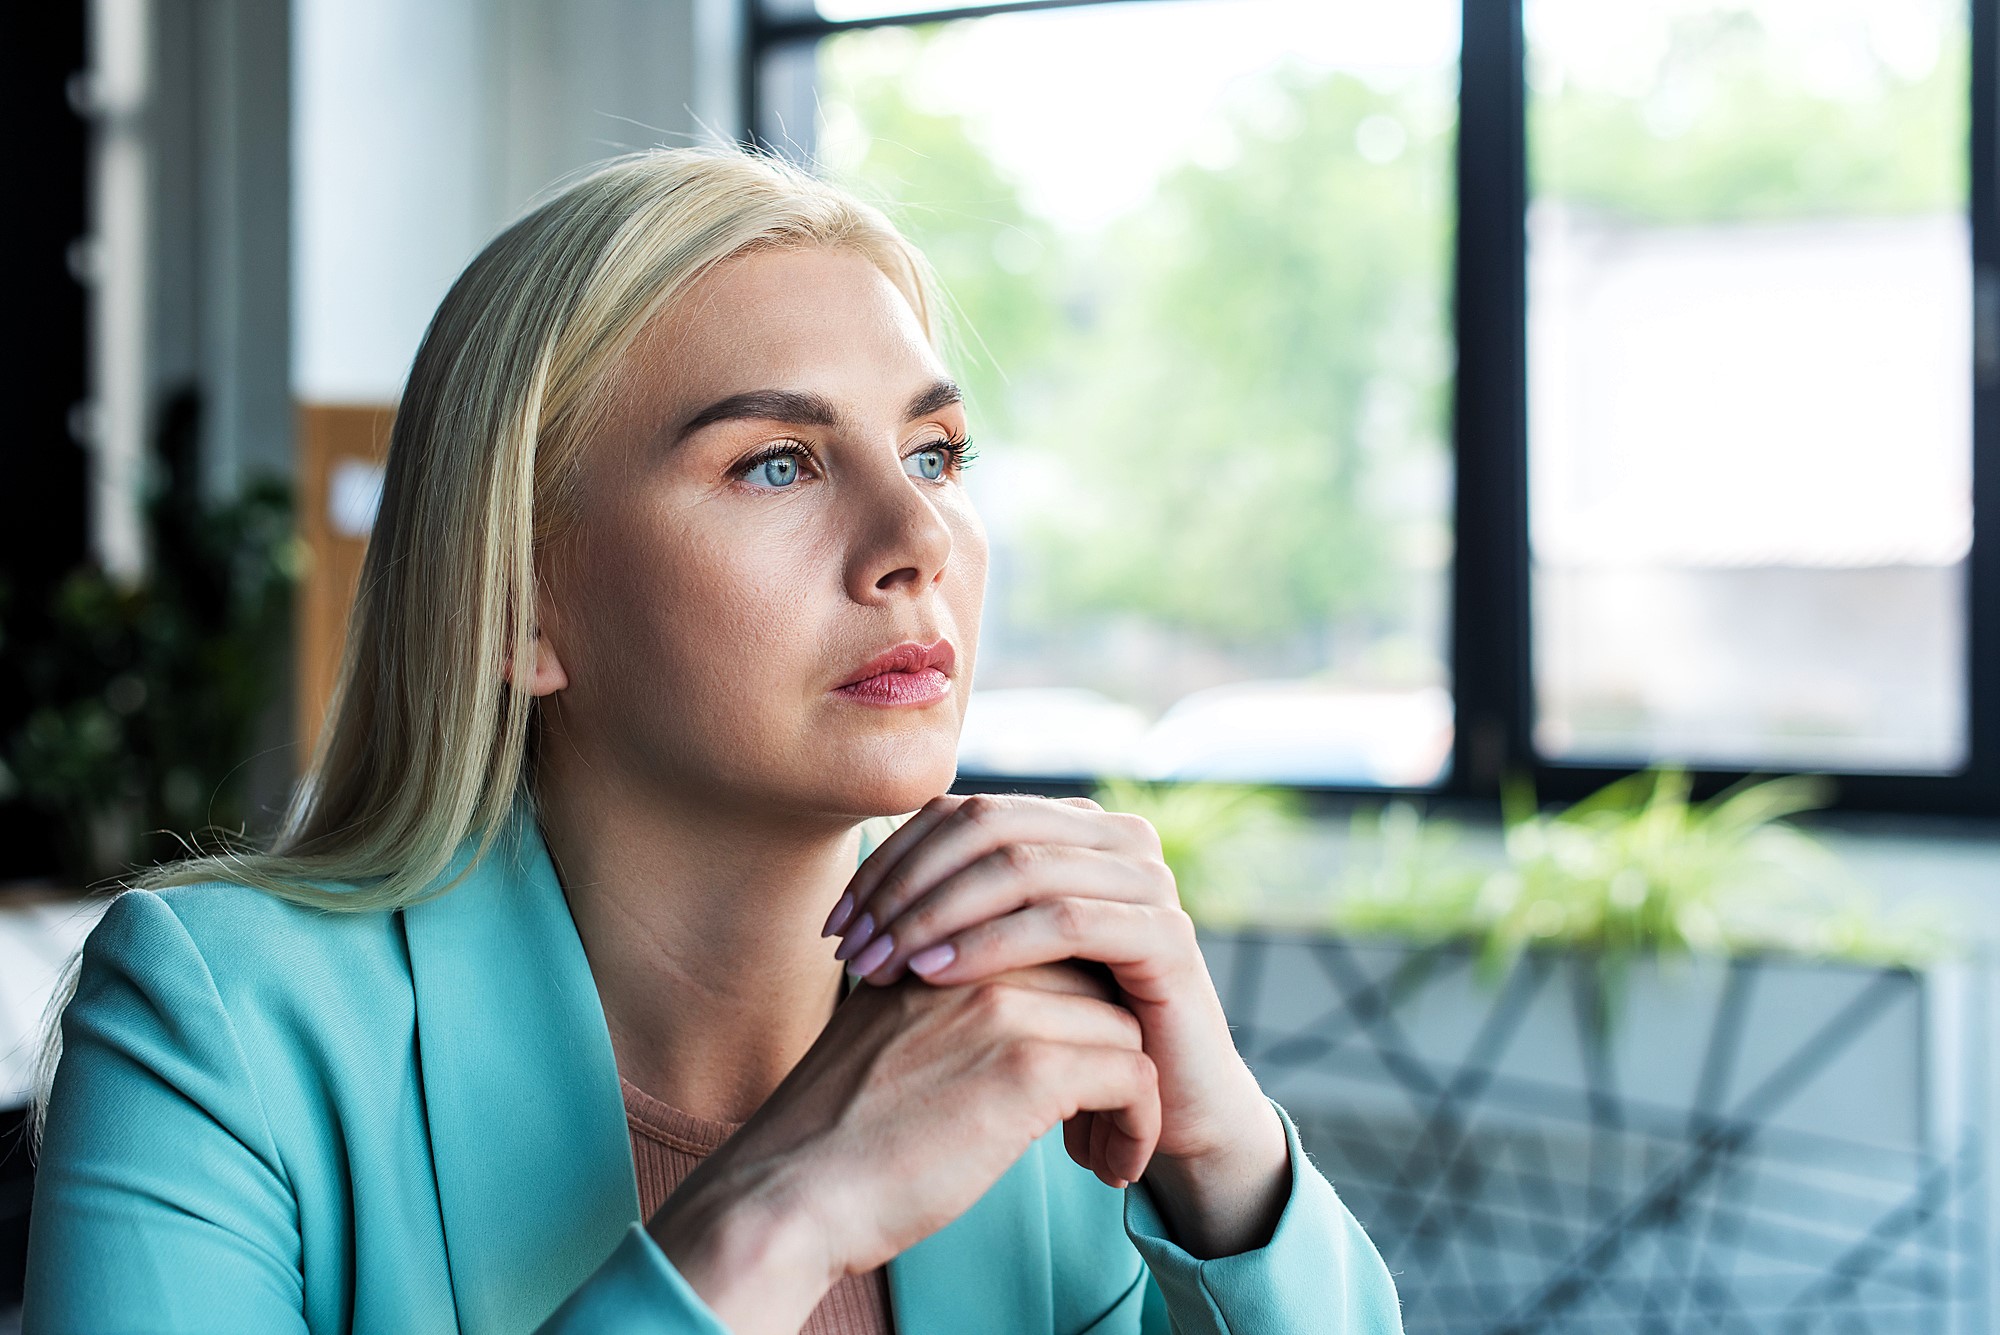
[972,885]
[905,1111]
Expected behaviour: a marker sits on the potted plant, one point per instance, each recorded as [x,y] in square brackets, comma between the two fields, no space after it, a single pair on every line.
[141,700]
[1651,1064]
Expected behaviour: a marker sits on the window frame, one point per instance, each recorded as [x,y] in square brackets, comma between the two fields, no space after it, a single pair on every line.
[1491,636]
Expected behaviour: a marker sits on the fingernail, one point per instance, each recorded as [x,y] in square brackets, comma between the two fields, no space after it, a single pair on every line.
[933,958]
[857,938]
[871,959]
[838,918]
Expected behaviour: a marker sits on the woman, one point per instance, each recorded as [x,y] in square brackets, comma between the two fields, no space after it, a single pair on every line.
[674,587]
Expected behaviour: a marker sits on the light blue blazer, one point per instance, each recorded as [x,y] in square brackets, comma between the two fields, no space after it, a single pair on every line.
[274,1119]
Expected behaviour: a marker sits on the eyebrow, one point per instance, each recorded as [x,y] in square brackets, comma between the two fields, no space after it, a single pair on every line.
[802,406]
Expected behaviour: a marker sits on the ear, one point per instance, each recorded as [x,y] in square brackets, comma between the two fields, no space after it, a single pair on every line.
[548,677]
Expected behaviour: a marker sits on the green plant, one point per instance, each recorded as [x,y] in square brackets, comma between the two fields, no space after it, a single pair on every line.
[1637,868]
[140,703]
[1203,828]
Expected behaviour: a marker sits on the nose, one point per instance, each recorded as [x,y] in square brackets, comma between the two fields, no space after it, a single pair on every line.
[902,541]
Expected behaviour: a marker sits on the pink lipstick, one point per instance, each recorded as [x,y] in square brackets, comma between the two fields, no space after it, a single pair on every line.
[907,674]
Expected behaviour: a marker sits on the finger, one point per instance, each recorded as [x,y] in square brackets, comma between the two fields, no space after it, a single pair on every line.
[1084,1137]
[1073,977]
[884,856]
[977,826]
[1148,948]
[1022,1012]
[1125,1136]
[1102,1133]
[1119,1085]
[1076,1139]
[1011,877]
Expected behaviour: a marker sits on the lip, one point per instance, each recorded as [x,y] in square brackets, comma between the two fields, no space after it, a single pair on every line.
[907,674]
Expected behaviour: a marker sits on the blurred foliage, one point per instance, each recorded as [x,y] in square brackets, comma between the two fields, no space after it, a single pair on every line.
[1002,267]
[1635,869]
[1204,829]
[1243,384]
[1268,372]
[1733,127]
[1310,284]
[142,703]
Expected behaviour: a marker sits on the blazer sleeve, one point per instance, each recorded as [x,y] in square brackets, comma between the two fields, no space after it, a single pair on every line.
[161,1203]
[1318,1275]
[636,1291]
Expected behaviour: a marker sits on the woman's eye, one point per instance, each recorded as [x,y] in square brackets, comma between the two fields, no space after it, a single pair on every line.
[930,463]
[773,471]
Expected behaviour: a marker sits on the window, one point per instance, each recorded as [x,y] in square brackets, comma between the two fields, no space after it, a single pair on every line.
[1405,396]
[1750,381]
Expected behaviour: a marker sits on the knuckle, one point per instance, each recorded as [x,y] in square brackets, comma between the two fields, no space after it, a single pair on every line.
[1139,828]
[1017,857]
[1179,920]
[1029,1063]
[1067,915]
[1135,1033]
[994,1003]
[887,892]
[1088,804]
[894,893]
[979,808]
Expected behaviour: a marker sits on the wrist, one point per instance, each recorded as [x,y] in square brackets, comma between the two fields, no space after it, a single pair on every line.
[757,1260]
[1229,1201]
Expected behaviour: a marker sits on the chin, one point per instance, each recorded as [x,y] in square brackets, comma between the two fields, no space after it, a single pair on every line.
[891,780]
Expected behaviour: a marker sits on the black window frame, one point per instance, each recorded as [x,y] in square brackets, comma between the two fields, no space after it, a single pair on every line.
[1491,650]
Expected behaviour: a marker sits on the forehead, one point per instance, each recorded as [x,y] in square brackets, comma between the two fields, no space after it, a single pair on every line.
[820,318]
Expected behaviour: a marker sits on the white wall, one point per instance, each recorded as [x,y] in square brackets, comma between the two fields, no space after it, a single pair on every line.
[422,126]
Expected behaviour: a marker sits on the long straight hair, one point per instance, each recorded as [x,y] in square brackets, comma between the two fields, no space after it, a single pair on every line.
[426,743]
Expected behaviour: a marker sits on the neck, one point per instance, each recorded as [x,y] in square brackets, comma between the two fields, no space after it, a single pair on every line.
[703,937]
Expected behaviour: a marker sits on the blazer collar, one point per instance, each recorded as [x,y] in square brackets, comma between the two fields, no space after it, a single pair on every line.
[533,1158]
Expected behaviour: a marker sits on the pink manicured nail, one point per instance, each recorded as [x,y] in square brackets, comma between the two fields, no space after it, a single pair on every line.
[838,918]
[932,958]
[857,938]
[871,959]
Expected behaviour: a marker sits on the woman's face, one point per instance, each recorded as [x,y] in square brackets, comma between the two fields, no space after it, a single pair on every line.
[773,502]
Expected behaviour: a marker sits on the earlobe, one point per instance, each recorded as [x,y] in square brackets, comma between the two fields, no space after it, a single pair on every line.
[548,676]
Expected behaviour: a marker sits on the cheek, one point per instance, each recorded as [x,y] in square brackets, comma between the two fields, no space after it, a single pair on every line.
[712,610]
[966,582]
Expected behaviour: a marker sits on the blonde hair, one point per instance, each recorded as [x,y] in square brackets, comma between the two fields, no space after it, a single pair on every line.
[426,743]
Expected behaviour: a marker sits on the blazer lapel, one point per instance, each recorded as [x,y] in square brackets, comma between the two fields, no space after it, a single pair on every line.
[527,1124]
[528,1134]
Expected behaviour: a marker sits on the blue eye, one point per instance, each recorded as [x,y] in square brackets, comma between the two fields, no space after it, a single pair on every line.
[775,469]
[944,458]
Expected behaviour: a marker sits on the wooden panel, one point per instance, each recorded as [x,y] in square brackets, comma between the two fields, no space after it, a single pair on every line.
[341,451]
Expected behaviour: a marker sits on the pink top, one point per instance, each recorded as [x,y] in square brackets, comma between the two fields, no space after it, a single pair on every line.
[666,1145]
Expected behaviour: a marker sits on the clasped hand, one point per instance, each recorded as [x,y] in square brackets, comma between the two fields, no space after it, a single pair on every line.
[921,1092]
[973,886]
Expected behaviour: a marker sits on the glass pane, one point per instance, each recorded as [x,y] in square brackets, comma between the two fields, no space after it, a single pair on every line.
[1750,381]
[1204,291]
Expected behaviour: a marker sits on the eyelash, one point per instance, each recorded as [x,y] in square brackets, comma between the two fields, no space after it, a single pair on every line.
[957,450]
